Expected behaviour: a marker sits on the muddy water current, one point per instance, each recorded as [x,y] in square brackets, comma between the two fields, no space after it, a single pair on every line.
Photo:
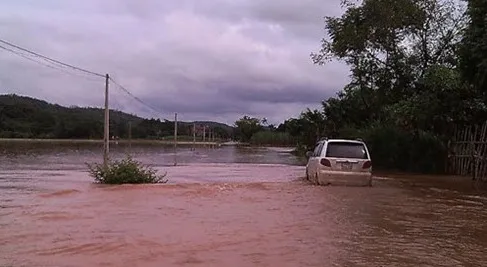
[228,207]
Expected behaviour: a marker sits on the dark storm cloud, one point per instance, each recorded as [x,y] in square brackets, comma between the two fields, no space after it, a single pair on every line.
[216,59]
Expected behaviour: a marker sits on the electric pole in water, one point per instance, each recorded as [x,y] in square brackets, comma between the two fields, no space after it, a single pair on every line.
[106,136]
[194,136]
[175,139]
[210,134]
[130,136]
[204,133]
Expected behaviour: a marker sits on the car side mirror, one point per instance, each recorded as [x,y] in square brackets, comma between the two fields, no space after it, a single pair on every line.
[309,154]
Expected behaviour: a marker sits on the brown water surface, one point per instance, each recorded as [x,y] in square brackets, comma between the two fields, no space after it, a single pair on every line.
[229,207]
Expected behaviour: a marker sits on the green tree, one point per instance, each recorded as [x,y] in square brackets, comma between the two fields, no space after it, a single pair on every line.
[246,127]
[390,45]
[473,49]
[313,124]
[405,87]
[220,132]
[306,129]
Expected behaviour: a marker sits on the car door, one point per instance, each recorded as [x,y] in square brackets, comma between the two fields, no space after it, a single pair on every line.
[314,160]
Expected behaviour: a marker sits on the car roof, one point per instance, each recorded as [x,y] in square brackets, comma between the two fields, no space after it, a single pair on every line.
[343,140]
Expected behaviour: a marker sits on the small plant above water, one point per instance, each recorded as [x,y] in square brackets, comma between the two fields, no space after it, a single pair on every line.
[125,171]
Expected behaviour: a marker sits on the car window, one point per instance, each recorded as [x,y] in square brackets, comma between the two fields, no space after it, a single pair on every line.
[346,150]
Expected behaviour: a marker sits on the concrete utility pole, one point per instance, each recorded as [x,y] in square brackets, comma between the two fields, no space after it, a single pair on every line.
[204,134]
[210,137]
[106,136]
[130,136]
[175,139]
[194,136]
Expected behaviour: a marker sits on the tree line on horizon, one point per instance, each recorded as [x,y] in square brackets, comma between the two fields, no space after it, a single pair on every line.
[25,117]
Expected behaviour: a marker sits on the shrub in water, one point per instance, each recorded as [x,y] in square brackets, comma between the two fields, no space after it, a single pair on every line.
[126,171]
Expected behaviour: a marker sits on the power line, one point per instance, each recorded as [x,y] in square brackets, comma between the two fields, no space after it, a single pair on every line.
[114,98]
[28,58]
[41,63]
[50,59]
[135,97]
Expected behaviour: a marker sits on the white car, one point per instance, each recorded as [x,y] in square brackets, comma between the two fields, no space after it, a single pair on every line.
[339,162]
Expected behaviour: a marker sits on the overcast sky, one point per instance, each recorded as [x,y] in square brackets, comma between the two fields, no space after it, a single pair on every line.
[206,60]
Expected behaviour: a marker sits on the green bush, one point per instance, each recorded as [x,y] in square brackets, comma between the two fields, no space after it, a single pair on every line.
[125,171]
[271,138]
[395,149]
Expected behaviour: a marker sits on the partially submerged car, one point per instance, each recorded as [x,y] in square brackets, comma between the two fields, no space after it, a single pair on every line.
[339,162]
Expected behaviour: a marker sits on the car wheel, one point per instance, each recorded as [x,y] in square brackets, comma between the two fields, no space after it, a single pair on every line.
[316,180]
[307,174]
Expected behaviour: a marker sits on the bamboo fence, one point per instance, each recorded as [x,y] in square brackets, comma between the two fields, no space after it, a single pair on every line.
[468,152]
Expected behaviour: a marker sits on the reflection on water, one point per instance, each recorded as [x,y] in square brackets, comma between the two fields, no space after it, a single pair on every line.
[37,156]
[229,207]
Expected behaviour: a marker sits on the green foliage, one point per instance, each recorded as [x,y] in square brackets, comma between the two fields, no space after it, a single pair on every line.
[222,132]
[271,138]
[306,129]
[303,131]
[395,149]
[126,171]
[473,49]
[406,91]
[246,127]
[441,102]
[25,117]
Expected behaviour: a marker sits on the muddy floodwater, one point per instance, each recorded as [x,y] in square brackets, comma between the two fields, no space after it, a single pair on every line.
[228,206]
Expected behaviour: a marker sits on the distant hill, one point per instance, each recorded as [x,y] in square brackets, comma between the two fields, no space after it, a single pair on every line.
[26,117]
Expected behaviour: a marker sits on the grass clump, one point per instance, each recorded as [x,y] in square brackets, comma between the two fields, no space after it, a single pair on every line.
[125,171]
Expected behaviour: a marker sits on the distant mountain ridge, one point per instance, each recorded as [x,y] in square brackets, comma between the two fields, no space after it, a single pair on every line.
[27,117]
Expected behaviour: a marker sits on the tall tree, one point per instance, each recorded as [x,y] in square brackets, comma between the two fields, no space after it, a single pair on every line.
[473,50]
[392,47]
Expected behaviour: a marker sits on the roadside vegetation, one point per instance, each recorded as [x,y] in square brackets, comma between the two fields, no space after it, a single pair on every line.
[418,70]
[125,171]
[271,138]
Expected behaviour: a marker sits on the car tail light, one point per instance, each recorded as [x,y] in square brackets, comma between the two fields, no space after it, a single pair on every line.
[367,164]
[325,162]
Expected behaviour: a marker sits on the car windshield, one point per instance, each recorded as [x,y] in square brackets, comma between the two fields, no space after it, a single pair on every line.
[346,150]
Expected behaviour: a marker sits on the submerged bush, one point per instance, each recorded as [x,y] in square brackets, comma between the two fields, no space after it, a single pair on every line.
[125,171]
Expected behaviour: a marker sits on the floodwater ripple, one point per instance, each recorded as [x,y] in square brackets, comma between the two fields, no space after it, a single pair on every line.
[241,214]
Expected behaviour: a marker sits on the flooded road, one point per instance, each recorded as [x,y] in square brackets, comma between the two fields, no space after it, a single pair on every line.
[228,207]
